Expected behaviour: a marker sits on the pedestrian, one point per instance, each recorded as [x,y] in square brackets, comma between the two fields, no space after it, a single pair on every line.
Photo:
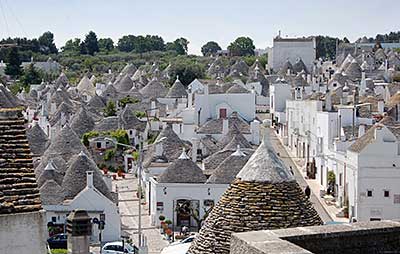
[291,170]
[307,191]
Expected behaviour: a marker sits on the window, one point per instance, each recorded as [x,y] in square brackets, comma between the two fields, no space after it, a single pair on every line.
[369,193]
[98,144]
[54,219]
[222,113]
[340,179]
[386,193]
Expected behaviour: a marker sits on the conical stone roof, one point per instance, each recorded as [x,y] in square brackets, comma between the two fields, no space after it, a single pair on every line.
[353,71]
[75,178]
[96,102]
[226,172]
[182,170]
[129,70]
[238,140]
[82,122]
[263,196]
[66,144]
[85,85]
[286,66]
[51,193]
[237,89]
[38,140]
[299,66]
[177,90]
[62,80]
[7,99]
[124,85]
[18,188]
[50,173]
[154,89]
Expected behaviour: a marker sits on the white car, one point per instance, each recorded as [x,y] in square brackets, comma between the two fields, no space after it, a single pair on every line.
[118,248]
[180,247]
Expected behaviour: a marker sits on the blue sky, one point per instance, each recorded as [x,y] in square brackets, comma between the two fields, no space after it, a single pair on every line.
[199,21]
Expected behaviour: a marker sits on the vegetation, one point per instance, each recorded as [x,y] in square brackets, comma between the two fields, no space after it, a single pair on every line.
[121,136]
[13,67]
[151,138]
[140,114]
[59,251]
[127,100]
[90,45]
[109,154]
[110,109]
[331,178]
[210,48]
[242,46]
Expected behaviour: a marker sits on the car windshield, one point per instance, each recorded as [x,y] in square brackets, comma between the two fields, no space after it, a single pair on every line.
[129,248]
[188,240]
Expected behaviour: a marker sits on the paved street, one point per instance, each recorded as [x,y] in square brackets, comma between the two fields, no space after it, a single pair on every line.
[289,162]
[128,206]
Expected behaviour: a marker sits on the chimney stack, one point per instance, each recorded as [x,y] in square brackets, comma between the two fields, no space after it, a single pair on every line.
[225,126]
[89,179]
[361,130]
[381,107]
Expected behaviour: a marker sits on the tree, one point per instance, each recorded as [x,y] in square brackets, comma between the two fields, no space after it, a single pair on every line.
[179,45]
[242,46]
[187,70]
[326,47]
[31,75]
[91,44]
[46,43]
[110,109]
[106,44]
[13,67]
[72,46]
[210,48]
[126,43]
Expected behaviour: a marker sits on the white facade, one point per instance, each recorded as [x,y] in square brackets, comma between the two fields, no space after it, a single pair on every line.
[374,176]
[163,197]
[292,49]
[209,106]
[95,203]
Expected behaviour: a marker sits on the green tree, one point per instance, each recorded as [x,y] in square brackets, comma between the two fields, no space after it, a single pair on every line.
[72,46]
[110,109]
[126,43]
[31,75]
[106,44]
[179,45]
[13,67]
[46,43]
[91,44]
[187,70]
[210,48]
[242,46]
[326,47]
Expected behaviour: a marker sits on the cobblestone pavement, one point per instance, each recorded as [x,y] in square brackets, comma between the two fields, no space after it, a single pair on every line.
[128,207]
[277,145]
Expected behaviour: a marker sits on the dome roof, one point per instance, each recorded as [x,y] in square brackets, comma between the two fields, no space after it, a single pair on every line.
[264,195]
[182,170]
[38,140]
[82,122]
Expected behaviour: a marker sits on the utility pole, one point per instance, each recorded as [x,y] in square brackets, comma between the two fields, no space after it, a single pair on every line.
[140,191]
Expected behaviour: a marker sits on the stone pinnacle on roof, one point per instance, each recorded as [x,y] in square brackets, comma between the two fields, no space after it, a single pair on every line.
[263,196]
[177,90]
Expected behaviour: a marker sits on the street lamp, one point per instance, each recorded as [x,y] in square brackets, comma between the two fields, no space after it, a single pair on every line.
[140,240]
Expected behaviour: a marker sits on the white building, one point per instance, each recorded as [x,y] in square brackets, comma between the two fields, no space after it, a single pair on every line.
[292,49]
[373,173]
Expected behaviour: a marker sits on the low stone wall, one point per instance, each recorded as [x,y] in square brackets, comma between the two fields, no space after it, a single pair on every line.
[363,237]
[23,233]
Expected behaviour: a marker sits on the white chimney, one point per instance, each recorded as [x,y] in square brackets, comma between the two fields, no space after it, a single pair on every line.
[363,84]
[153,109]
[381,107]
[159,149]
[205,89]
[378,133]
[194,149]
[361,130]
[89,179]
[225,126]
[328,101]
[190,100]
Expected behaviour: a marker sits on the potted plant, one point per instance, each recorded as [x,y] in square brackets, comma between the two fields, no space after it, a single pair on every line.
[120,172]
[114,176]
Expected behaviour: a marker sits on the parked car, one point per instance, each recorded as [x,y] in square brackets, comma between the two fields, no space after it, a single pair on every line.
[180,247]
[119,248]
[58,241]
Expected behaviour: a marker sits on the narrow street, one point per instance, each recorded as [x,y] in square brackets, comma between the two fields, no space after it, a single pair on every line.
[277,145]
[128,207]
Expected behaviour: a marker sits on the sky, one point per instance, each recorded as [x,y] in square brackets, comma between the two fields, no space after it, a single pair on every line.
[198,21]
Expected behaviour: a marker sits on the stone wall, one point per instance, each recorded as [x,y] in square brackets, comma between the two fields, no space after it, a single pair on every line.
[23,233]
[366,237]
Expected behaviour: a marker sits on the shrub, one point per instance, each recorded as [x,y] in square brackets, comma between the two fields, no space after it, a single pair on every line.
[161,217]
[168,221]
[140,114]
[59,251]
[109,154]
